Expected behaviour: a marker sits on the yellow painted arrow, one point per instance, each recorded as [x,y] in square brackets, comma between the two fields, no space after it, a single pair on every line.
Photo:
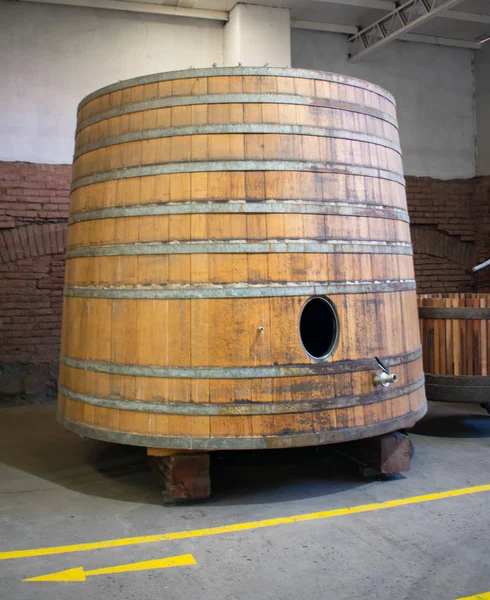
[485,596]
[78,573]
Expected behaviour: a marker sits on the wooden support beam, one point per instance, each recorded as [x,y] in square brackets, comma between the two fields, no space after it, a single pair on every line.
[183,475]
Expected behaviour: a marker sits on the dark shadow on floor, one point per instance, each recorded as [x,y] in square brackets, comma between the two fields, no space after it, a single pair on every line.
[249,477]
[32,442]
[455,421]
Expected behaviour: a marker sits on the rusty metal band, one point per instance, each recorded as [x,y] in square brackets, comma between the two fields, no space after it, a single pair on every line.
[346,209]
[238,71]
[289,440]
[173,101]
[243,247]
[237,165]
[233,128]
[240,409]
[458,388]
[429,312]
[301,370]
[241,290]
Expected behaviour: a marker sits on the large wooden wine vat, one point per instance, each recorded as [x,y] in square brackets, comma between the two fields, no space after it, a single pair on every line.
[238,255]
[455,331]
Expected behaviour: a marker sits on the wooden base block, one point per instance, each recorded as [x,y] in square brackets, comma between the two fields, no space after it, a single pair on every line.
[182,476]
[171,452]
[389,453]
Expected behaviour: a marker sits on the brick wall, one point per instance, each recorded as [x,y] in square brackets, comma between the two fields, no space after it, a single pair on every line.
[482,228]
[450,233]
[435,275]
[34,201]
[444,205]
[442,217]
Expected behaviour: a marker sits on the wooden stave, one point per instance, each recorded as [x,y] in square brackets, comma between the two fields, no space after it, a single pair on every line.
[140,272]
[364,379]
[287,373]
[244,115]
[301,186]
[246,431]
[273,150]
[233,129]
[221,72]
[332,231]
[194,131]
[93,317]
[259,442]
[348,385]
[210,81]
[95,185]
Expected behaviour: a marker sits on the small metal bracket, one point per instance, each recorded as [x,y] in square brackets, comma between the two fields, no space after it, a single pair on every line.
[381,364]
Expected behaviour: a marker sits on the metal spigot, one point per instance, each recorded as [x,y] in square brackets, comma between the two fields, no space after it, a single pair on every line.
[384,378]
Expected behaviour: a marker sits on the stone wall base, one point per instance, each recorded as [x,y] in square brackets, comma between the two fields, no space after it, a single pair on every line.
[28,383]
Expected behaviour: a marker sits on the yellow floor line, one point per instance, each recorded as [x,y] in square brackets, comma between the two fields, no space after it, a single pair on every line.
[180,535]
[485,596]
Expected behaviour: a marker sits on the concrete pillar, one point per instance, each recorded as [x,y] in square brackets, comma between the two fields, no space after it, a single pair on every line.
[258,35]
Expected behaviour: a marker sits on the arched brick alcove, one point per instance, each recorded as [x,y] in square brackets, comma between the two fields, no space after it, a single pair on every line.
[443,263]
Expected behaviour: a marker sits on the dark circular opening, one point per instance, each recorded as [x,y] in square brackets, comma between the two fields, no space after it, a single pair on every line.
[318,328]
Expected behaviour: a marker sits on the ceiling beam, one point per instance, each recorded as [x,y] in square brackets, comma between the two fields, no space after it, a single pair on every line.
[141,7]
[185,3]
[440,41]
[330,27]
[379,4]
[389,5]
[465,16]
[404,18]
[408,37]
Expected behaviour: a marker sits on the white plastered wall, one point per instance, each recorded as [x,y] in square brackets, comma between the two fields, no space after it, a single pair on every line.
[433,87]
[52,56]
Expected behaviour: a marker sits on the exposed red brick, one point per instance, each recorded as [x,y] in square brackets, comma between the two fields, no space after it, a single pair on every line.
[34,204]
[449,229]
[447,205]
[482,228]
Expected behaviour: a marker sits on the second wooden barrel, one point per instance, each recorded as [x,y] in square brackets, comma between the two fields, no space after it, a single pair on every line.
[455,331]
[238,256]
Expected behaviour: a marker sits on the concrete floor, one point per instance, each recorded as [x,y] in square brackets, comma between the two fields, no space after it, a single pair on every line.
[57,489]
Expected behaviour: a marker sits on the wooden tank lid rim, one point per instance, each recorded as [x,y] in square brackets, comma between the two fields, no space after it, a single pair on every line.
[236,165]
[461,312]
[247,443]
[238,71]
[247,128]
[241,409]
[240,290]
[300,370]
[243,247]
[459,392]
[244,206]
[459,380]
[175,101]
[455,296]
